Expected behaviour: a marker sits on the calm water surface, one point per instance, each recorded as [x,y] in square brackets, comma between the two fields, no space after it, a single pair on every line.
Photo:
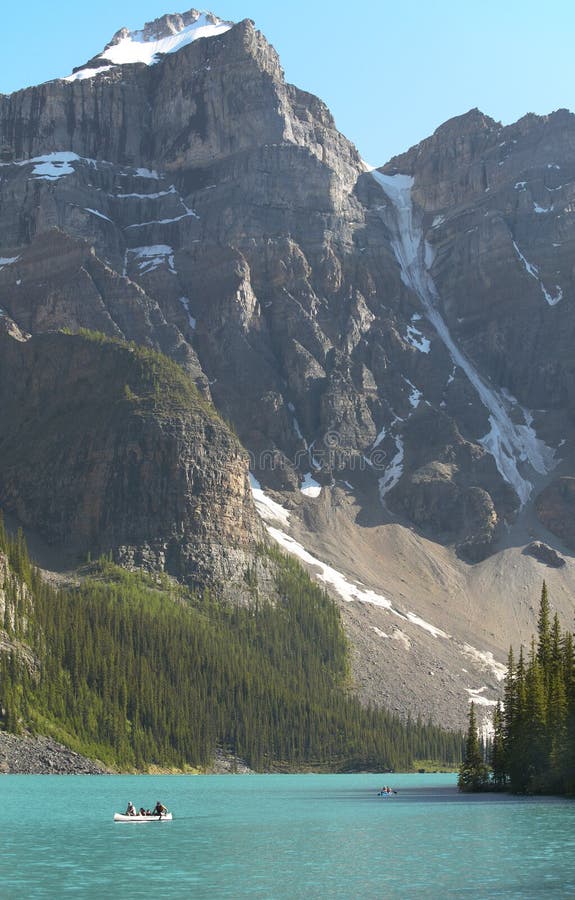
[281,836]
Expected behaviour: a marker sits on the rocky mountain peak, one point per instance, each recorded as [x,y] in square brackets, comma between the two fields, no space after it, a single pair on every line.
[167,34]
[472,122]
[462,135]
[174,23]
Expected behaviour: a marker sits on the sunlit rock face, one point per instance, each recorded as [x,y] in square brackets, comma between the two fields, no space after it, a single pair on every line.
[407,332]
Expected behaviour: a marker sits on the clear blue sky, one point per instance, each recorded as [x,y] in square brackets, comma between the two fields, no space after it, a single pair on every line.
[390,71]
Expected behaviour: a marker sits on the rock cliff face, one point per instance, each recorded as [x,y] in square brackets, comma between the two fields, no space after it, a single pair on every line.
[106,448]
[404,334]
[500,205]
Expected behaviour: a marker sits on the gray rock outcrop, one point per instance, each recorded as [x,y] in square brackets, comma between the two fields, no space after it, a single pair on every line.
[545,554]
[26,755]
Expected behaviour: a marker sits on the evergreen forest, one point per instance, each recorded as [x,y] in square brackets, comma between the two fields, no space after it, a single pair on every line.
[533,745]
[137,671]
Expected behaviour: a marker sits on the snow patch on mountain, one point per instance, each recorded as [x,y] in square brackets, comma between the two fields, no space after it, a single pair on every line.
[97,213]
[268,509]
[191,320]
[553,299]
[394,470]
[155,196]
[297,430]
[152,257]
[379,438]
[531,269]
[542,209]
[476,696]
[50,166]
[436,632]
[148,47]
[169,221]
[310,487]
[379,632]
[83,74]
[328,575]
[416,339]
[59,163]
[487,660]
[415,395]
[147,173]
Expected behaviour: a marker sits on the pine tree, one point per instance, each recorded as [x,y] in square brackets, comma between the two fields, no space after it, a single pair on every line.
[497,756]
[473,772]
[535,749]
[509,704]
[544,631]
[557,731]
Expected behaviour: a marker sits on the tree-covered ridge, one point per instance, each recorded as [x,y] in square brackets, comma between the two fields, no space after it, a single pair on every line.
[137,671]
[533,746]
[152,379]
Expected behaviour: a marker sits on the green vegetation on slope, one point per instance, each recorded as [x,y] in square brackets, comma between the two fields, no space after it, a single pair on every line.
[152,380]
[138,672]
[533,747]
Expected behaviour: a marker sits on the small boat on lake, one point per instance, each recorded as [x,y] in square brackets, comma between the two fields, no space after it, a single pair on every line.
[138,819]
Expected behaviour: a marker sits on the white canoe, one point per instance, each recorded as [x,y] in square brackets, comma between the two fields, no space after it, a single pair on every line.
[120,817]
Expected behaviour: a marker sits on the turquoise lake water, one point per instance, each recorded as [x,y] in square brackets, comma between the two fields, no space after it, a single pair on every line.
[281,836]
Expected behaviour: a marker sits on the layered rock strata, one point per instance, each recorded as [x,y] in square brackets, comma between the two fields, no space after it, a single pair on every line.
[204,207]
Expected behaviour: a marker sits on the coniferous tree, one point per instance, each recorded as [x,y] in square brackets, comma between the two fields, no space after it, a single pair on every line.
[538,731]
[544,630]
[535,747]
[473,772]
[497,756]
[557,730]
[139,673]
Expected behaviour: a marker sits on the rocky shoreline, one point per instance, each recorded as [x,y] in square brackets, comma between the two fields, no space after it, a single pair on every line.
[27,755]
[23,755]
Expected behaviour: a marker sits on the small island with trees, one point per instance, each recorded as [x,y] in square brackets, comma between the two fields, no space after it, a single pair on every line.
[532,749]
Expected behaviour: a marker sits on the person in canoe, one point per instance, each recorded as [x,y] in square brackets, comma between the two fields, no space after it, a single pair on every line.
[159,810]
[131,809]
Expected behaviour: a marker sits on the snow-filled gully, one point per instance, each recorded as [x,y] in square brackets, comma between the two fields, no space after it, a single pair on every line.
[511,445]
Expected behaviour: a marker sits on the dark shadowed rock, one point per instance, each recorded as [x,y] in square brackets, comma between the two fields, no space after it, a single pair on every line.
[108,448]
